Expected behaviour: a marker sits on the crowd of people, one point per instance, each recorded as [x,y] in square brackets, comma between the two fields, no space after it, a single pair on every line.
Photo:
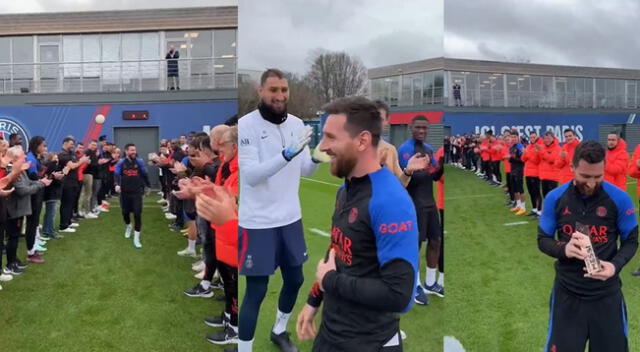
[198,175]
[537,163]
[199,186]
[78,180]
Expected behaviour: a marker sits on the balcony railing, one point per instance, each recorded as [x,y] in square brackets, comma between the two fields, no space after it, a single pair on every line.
[527,99]
[116,76]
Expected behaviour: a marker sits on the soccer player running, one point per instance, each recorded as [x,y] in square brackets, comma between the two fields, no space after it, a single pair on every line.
[420,188]
[370,272]
[588,306]
[272,155]
[131,178]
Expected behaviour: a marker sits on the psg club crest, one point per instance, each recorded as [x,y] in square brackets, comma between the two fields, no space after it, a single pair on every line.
[248,263]
[353,215]
[9,126]
[601,211]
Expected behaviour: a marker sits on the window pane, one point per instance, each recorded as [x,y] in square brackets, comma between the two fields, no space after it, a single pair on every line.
[91,53]
[224,51]
[72,52]
[23,53]
[150,50]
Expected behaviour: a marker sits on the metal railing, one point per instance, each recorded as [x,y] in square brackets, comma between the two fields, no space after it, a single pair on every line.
[116,76]
[525,99]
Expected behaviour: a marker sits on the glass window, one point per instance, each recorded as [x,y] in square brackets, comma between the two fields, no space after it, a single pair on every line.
[417,89]
[91,53]
[438,83]
[485,89]
[49,39]
[497,87]
[405,97]
[72,52]
[600,93]
[224,51]
[472,92]
[393,86]
[5,57]
[23,53]
[150,50]
[110,52]
[130,52]
[201,44]
[428,88]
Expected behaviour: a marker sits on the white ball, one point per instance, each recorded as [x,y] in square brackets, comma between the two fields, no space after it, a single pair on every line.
[100,119]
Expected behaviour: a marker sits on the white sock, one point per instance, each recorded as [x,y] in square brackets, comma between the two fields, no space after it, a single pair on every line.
[205,284]
[32,251]
[431,276]
[281,322]
[192,246]
[136,235]
[441,279]
[245,346]
[418,278]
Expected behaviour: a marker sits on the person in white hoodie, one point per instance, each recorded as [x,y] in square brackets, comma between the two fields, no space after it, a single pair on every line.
[273,154]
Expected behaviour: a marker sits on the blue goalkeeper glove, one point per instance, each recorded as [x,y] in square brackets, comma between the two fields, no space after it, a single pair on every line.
[297,144]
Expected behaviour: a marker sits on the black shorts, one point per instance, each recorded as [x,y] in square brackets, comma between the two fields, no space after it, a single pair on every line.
[263,250]
[517,182]
[324,344]
[428,224]
[131,203]
[573,321]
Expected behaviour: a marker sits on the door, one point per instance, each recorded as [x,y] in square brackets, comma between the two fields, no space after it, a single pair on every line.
[146,140]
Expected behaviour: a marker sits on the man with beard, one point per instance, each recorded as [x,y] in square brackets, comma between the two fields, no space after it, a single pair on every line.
[615,169]
[272,155]
[369,274]
[420,188]
[588,306]
[131,178]
[566,155]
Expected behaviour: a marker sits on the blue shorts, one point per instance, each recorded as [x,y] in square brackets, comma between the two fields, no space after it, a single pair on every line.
[261,251]
[188,216]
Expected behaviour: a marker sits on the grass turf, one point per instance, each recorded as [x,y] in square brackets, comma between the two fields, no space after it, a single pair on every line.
[423,324]
[499,281]
[96,292]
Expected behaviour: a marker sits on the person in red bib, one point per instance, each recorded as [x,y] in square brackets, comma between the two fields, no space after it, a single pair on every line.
[531,158]
[566,155]
[615,169]
[548,154]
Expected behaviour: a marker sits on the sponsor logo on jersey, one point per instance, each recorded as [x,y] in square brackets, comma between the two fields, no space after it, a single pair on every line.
[601,211]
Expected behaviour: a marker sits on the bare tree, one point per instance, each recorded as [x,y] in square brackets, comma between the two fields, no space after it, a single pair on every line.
[336,75]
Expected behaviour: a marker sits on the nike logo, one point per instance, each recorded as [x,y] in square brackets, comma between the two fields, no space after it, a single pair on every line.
[263,137]
[304,254]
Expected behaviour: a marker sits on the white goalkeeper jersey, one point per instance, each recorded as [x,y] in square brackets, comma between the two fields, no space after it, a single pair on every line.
[269,183]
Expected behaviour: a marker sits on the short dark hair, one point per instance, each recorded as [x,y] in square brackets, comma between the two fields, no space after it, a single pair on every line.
[126,146]
[616,132]
[13,136]
[362,115]
[270,72]
[419,118]
[489,132]
[550,133]
[93,140]
[68,138]
[515,133]
[80,143]
[569,130]
[382,105]
[34,143]
[102,138]
[589,151]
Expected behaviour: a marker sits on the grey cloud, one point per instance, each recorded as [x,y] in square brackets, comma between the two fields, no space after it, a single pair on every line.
[584,33]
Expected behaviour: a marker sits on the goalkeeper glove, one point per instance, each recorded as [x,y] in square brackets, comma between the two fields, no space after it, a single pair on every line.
[297,144]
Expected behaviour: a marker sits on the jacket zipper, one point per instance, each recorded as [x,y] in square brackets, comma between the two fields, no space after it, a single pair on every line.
[281,136]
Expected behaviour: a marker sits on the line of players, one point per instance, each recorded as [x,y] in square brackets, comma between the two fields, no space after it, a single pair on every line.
[539,162]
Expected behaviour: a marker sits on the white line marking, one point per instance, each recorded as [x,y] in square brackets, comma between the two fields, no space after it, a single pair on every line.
[632,182]
[451,344]
[320,232]
[516,223]
[318,181]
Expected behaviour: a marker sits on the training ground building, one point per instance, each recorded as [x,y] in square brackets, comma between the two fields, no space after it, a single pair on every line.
[500,95]
[58,71]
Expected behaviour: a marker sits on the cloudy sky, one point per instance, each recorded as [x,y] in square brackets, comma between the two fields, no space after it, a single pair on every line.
[283,33]
[563,32]
[23,6]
